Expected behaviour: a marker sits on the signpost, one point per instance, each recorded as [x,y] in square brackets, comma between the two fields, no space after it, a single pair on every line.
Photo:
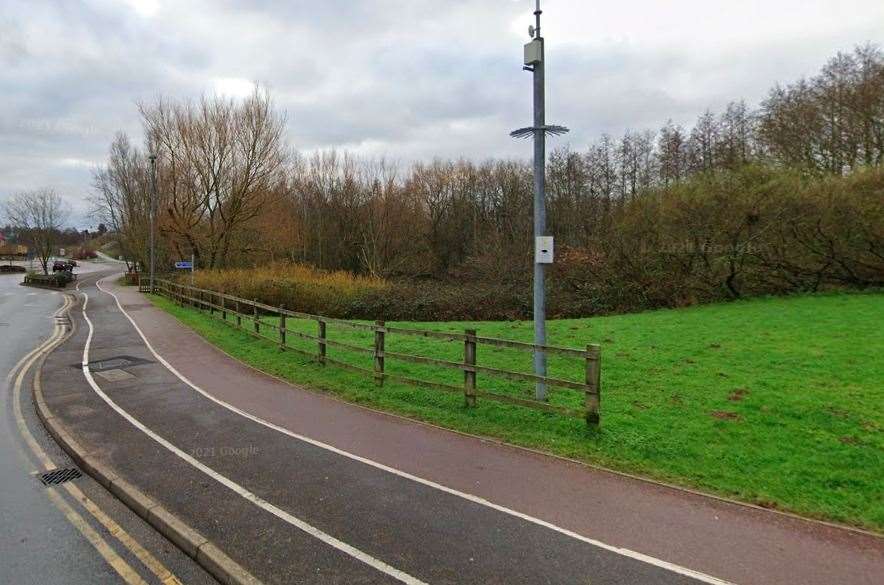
[185,265]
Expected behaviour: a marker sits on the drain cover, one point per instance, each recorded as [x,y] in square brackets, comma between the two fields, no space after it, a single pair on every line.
[61,475]
[115,375]
[114,363]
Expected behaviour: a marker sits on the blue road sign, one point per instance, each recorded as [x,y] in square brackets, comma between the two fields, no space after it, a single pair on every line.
[184,265]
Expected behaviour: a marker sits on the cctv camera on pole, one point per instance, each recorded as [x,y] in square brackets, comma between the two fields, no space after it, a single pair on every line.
[543,243]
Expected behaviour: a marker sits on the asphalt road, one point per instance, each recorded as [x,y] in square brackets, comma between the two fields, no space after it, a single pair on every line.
[42,540]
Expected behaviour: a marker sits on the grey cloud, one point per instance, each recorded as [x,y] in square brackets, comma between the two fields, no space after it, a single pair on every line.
[409,80]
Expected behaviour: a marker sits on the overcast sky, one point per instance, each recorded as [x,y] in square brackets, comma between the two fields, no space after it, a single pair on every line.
[407,79]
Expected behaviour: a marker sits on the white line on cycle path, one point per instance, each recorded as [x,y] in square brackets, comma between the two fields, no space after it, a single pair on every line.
[699,576]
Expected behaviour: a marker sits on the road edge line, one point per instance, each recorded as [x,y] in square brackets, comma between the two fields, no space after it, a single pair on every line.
[191,542]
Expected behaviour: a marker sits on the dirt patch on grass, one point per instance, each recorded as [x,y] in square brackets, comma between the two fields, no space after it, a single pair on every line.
[737,395]
[725,415]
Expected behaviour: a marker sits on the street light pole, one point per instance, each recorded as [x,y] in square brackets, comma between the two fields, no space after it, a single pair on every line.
[152,213]
[539,211]
[543,245]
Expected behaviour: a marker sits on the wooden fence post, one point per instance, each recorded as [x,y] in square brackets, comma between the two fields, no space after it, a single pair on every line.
[257,323]
[593,384]
[469,360]
[321,342]
[379,353]
[211,296]
[238,315]
[223,306]
[281,328]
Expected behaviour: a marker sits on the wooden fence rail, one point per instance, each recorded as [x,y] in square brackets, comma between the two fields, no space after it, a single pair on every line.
[219,305]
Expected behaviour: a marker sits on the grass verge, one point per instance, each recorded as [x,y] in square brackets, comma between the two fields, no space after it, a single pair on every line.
[775,401]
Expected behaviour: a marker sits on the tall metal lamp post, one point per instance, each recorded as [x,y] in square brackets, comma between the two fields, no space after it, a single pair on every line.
[543,244]
[152,213]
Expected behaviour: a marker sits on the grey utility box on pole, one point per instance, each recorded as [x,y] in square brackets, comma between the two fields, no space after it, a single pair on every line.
[534,52]
[543,244]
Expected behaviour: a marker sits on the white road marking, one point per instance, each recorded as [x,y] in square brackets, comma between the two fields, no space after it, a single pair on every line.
[229,483]
[703,577]
[126,572]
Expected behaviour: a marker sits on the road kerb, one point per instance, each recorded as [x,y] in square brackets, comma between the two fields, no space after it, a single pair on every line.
[192,543]
[184,537]
[223,567]
[134,498]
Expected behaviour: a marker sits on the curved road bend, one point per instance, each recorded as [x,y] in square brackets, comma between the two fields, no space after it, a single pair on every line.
[330,493]
[39,542]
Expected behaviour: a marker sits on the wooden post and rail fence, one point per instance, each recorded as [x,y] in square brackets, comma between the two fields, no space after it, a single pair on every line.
[251,310]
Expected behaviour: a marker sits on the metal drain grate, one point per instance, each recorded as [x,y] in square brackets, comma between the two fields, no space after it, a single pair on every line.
[114,363]
[58,476]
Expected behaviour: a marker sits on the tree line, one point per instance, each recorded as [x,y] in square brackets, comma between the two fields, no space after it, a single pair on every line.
[769,199]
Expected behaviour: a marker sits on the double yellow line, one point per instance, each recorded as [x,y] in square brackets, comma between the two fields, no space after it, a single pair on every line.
[124,569]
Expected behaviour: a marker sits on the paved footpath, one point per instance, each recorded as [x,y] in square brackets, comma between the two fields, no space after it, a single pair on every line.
[297,487]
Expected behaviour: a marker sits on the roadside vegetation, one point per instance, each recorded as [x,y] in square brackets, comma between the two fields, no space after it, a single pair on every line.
[715,236]
[774,401]
[783,198]
[297,287]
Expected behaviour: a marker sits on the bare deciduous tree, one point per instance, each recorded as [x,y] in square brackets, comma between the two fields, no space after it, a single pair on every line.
[122,199]
[40,215]
[220,162]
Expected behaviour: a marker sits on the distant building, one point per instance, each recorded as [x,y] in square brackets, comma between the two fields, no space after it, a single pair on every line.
[11,250]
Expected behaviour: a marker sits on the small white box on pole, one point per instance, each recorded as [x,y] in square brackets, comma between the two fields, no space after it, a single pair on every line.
[543,250]
[533,52]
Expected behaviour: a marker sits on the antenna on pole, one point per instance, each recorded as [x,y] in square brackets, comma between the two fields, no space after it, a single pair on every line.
[537,13]
[543,244]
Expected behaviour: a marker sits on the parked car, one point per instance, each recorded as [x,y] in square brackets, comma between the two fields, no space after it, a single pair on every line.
[72,263]
[61,265]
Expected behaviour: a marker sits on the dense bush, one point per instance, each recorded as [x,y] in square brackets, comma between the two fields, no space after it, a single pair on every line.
[295,286]
[56,279]
[729,234]
[443,301]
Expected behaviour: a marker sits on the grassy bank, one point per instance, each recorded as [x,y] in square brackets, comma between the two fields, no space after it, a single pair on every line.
[778,401]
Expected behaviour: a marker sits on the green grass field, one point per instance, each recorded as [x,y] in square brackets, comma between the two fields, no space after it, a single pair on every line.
[777,401]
